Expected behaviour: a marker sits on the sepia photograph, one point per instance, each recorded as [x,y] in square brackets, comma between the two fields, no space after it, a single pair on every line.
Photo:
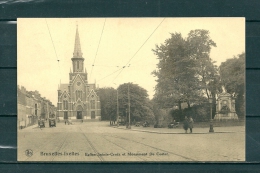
[131,89]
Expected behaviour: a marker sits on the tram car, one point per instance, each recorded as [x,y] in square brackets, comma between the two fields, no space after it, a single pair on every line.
[52,121]
[41,123]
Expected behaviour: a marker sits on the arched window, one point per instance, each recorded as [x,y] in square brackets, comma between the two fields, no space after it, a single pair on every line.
[65,104]
[78,95]
[92,104]
[77,64]
[35,107]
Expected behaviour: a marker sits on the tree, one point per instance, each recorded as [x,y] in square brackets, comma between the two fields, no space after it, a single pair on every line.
[140,106]
[108,101]
[161,116]
[199,47]
[232,74]
[175,73]
[185,71]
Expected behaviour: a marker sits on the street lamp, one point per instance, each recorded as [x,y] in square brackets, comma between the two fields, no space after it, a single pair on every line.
[211,130]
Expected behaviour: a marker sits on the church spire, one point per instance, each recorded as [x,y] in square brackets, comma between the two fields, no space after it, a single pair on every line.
[77,48]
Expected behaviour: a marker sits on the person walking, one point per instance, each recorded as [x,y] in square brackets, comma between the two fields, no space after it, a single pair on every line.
[190,124]
[65,122]
[186,124]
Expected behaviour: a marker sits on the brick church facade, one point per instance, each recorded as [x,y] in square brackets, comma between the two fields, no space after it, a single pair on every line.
[78,99]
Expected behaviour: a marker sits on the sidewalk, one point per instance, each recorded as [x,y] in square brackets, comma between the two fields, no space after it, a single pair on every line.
[232,129]
[29,127]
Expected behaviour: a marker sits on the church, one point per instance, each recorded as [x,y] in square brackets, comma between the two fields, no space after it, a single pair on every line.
[78,99]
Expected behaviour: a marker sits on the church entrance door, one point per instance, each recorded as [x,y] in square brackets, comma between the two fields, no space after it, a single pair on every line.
[93,116]
[65,115]
[79,114]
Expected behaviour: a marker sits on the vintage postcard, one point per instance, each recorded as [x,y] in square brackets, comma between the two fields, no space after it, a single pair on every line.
[131,89]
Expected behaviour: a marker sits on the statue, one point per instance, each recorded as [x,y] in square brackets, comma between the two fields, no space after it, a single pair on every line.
[223,89]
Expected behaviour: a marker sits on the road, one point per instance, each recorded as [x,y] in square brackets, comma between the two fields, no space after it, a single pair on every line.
[97,141]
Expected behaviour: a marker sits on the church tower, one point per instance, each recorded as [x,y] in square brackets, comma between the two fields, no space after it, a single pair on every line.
[78,99]
[77,60]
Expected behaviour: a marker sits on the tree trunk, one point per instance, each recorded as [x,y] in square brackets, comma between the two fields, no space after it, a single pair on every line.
[214,101]
[180,111]
[188,102]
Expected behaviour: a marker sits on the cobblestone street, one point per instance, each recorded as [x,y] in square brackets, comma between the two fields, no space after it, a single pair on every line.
[97,141]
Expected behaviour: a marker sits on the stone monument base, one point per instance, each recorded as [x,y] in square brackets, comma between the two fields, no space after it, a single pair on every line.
[229,116]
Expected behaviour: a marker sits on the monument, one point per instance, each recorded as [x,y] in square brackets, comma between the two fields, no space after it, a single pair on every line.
[225,107]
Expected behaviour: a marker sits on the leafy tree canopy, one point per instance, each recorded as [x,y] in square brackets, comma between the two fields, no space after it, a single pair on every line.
[232,74]
[140,106]
[185,72]
[108,103]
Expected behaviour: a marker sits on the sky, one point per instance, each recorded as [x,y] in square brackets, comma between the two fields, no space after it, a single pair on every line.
[45,48]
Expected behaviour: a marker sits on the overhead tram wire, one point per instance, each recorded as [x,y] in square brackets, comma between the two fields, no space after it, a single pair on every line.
[132,56]
[111,73]
[139,48]
[54,48]
[101,65]
[97,48]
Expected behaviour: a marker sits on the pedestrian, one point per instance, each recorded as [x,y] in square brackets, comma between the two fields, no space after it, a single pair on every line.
[65,122]
[186,124]
[190,124]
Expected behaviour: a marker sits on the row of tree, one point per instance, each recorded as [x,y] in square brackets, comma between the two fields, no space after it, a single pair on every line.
[185,74]
[140,106]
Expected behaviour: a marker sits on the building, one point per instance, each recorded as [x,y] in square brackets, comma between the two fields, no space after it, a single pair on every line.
[48,110]
[31,107]
[21,107]
[78,99]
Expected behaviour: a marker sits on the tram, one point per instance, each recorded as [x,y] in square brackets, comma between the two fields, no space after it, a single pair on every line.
[41,123]
[52,121]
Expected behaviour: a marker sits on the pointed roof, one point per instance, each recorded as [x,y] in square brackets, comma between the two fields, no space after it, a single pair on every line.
[64,87]
[77,48]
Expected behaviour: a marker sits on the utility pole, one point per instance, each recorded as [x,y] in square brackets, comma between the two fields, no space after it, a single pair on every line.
[129,108]
[117,110]
[211,130]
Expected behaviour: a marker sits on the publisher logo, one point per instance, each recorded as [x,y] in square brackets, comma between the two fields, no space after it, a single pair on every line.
[28,153]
